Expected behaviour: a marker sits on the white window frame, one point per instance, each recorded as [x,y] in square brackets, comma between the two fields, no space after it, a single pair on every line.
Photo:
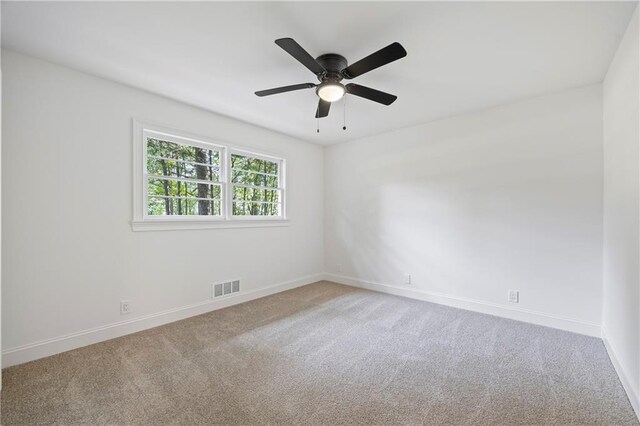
[142,221]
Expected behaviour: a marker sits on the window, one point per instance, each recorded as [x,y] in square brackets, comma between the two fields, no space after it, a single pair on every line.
[255,185]
[182,182]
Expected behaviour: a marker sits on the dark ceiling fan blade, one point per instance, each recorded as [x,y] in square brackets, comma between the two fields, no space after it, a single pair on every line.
[283,89]
[391,53]
[294,49]
[323,109]
[371,94]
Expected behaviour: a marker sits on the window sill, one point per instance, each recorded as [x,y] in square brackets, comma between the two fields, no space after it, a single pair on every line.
[181,225]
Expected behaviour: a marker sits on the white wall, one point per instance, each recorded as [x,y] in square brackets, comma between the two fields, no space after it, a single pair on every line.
[69,253]
[621,267]
[474,205]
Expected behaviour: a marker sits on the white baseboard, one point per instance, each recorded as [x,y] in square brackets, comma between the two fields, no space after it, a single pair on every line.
[519,314]
[44,348]
[633,394]
[41,349]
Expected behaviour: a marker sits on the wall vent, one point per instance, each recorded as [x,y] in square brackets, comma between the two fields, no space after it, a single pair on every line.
[217,290]
[226,288]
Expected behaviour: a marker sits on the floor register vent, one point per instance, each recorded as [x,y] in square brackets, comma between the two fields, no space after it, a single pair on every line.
[226,288]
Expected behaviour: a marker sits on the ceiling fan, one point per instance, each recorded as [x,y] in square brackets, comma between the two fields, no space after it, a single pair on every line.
[331,69]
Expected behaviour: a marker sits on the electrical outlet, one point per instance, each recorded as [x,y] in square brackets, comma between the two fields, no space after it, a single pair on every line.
[406,279]
[125,307]
[339,267]
[514,296]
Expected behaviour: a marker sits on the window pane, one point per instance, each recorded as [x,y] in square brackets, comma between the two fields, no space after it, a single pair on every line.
[178,168]
[168,197]
[252,194]
[183,189]
[253,178]
[172,159]
[250,164]
[167,206]
[246,208]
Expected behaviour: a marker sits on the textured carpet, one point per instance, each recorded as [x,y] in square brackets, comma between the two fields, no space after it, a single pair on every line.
[326,354]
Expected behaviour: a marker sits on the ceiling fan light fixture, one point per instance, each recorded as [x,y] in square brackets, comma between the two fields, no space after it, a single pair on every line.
[330,91]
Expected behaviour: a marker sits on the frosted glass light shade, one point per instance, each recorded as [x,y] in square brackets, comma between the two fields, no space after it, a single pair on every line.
[331,92]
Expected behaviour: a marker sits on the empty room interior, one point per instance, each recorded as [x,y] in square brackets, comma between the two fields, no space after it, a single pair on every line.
[328,213]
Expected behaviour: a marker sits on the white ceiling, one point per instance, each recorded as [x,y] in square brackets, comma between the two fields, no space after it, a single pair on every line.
[461,56]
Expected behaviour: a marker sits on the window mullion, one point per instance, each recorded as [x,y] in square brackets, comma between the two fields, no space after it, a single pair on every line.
[228,186]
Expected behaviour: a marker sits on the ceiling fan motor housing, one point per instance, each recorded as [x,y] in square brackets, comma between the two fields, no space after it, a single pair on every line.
[334,64]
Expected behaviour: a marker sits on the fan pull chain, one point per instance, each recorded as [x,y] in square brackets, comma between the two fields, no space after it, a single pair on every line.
[344,113]
[318,128]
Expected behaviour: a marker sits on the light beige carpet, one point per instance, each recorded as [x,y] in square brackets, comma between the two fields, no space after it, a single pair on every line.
[326,354]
